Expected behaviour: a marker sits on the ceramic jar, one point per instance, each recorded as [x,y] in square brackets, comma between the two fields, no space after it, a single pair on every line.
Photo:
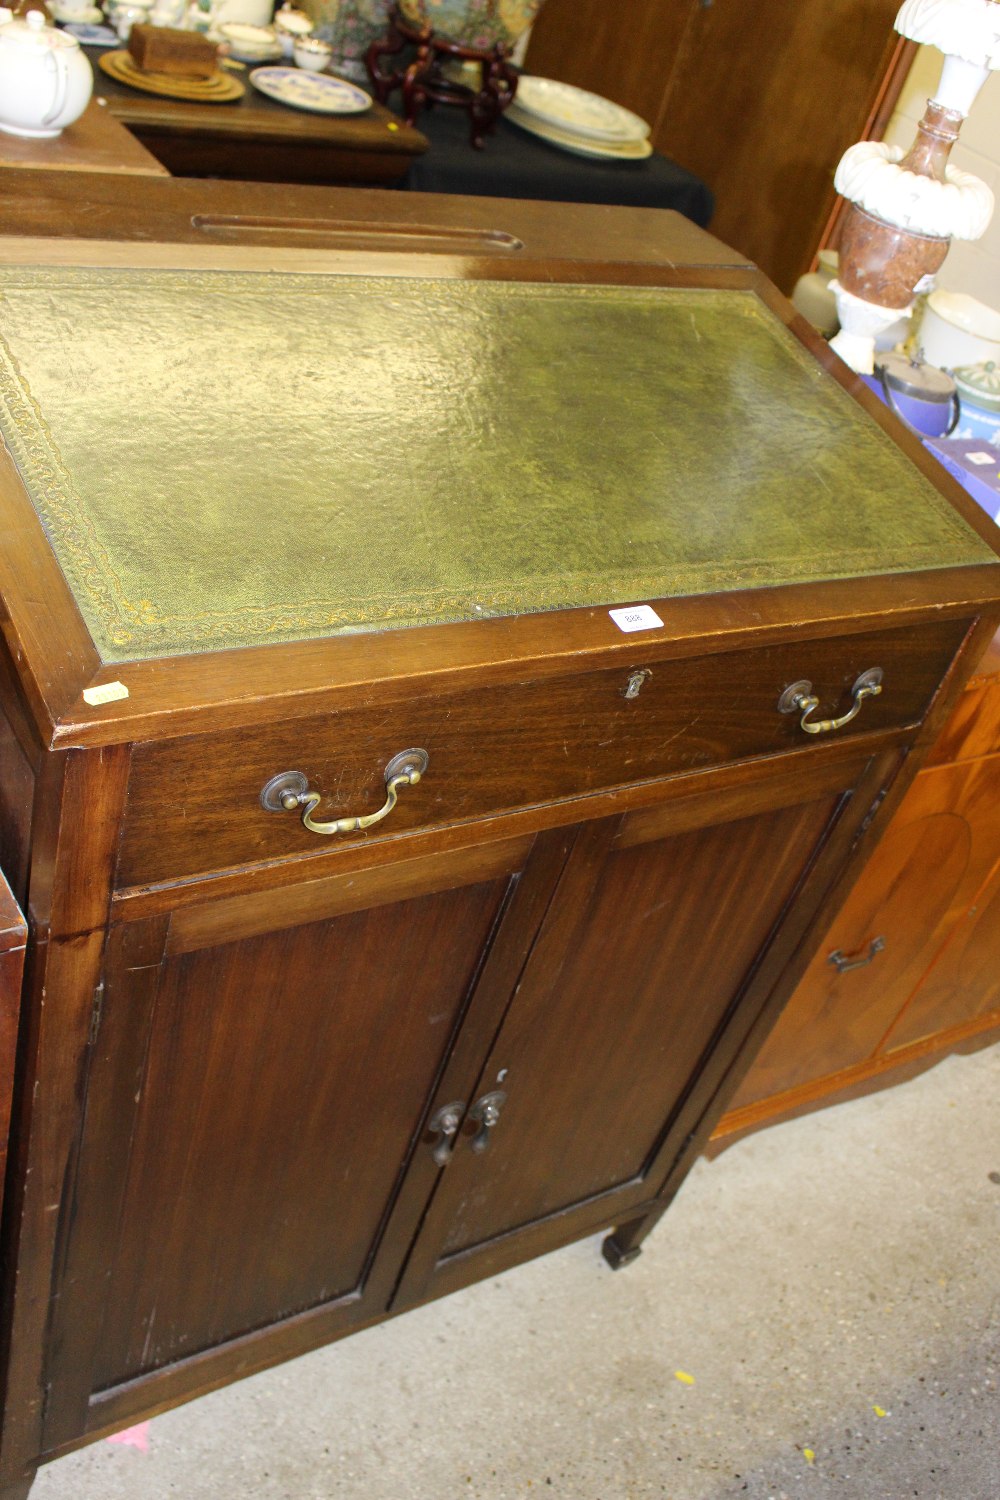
[979,387]
[474,23]
[45,80]
[923,396]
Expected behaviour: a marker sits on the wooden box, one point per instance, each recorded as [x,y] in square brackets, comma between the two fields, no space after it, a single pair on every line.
[164,49]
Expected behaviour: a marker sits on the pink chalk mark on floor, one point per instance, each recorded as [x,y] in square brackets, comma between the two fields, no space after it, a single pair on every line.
[133,1437]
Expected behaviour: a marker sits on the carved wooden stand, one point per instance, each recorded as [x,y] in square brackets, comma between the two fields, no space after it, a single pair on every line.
[424,82]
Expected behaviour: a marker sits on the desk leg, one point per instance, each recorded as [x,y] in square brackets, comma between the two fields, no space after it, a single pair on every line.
[624,1245]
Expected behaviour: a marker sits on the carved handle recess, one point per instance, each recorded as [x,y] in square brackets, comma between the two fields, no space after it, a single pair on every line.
[800,699]
[289,790]
[844,962]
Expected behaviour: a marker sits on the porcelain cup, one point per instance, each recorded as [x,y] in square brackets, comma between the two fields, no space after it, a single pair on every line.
[291,26]
[312,54]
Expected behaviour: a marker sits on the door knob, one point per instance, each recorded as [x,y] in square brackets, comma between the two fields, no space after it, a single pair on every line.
[486,1113]
[444,1123]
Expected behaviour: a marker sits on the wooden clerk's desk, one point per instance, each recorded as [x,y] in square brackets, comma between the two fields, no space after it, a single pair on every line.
[273,1086]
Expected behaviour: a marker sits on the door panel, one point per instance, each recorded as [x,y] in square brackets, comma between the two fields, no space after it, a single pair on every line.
[964,984]
[283,1081]
[616,1009]
[914,893]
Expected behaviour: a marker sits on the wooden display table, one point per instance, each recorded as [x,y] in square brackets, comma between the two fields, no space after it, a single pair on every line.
[300,528]
[258,139]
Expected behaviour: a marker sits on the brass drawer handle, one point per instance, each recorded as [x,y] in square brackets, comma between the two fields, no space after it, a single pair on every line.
[799,698]
[289,790]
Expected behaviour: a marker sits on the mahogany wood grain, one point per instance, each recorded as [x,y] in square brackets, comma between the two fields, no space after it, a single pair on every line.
[13,942]
[678,803]
[862,1014]
[862,819]
[763,124]
[194,806]
[528,897]
[624,55]
[974,726]
[94,143]
[203,212]
[881,1071]
[928,870]
[621,1026]
[77,815]
[690,914]
[271,1200]
[17,790]
[963,984]
[41,626]
[335,895]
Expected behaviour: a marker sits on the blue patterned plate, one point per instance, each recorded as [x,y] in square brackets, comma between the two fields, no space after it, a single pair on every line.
[92,36]
[320,92]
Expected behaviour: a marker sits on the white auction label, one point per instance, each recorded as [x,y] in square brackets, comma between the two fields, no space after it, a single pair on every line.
[108,692]
[636,617]
[983,458]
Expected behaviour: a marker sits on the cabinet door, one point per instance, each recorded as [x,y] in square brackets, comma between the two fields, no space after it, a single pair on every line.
[251,1110]
[651,960]
[915,892]
[964,985]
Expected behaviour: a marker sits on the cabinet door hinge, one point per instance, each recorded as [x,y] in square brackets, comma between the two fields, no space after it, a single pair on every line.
[95,1014]
[870,815]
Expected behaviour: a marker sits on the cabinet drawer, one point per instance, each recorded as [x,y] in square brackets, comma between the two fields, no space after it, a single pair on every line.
[194,805]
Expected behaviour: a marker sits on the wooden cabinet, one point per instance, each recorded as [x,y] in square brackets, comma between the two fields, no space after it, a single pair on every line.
[909,970]
[760,101]
[305,1106]
[275,1086]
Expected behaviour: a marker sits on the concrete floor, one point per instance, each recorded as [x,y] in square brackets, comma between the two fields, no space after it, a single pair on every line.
[818,1316]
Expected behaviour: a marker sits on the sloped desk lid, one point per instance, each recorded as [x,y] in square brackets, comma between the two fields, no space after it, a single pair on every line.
[231,458]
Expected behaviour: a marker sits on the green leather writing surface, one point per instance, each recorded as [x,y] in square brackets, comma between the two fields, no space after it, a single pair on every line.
[224,458]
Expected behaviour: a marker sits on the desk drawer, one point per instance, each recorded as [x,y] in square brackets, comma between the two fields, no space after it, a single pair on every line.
[194,805]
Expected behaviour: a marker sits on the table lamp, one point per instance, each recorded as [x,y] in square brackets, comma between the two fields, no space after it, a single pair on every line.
[906,209]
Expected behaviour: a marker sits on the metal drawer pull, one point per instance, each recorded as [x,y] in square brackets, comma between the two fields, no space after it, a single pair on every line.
[844,964]
[289,790]
[486,1112]
[799,698]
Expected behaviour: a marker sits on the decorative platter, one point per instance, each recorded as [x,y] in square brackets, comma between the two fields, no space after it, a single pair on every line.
[601,150]
[221,88]
[575,110]
[319,92]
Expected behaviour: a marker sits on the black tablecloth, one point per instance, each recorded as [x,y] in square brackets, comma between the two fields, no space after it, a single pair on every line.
[514,164]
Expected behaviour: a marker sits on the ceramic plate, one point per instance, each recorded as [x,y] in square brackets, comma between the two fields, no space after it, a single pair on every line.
[578,112]
[315,91]
[602,150]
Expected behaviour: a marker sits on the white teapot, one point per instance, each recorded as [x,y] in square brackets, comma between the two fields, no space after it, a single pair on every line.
[45,80]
